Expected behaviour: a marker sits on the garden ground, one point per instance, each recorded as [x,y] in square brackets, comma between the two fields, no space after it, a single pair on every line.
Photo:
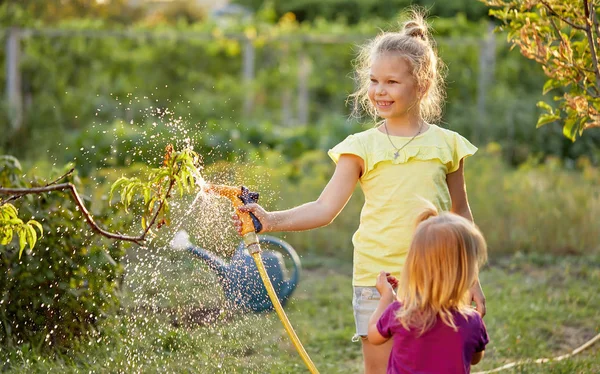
[174,320]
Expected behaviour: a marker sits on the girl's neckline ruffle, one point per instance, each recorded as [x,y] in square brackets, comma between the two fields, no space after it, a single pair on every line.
[418,149]
[422,153]
[426,132]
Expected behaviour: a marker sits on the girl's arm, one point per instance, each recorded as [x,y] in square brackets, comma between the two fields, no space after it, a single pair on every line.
[460,206]
[316,213]
[387,297]
[458,192]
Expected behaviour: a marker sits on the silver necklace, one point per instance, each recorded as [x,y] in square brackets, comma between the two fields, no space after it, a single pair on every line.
[397,153]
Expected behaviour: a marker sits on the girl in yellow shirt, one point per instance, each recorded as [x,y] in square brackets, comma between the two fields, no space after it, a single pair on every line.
[399,163]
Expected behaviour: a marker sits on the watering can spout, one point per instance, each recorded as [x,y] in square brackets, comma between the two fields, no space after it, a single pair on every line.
[181,241]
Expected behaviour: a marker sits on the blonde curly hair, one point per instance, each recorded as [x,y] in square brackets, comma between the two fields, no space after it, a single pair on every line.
[415,44]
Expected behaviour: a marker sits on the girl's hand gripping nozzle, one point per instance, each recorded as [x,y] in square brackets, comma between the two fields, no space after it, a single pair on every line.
[240,196]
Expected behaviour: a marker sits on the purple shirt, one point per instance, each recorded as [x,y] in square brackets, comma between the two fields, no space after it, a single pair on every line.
[438,350]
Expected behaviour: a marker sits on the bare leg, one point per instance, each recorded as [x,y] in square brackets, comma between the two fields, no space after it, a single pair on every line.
[376,356]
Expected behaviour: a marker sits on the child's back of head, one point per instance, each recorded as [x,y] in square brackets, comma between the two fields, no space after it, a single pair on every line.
[442,264]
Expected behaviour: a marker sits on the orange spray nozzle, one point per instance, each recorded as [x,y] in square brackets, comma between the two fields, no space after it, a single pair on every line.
[239,196]
[229,192]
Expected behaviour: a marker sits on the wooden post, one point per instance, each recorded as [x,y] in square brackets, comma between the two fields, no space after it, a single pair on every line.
[13,78]
[487,59]
[249,56]
[286,94]
[304,70]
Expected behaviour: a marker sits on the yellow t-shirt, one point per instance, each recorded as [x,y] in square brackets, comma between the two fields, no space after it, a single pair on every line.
[394,189]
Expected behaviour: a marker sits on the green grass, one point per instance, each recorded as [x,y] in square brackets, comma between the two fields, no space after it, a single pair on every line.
[538,306]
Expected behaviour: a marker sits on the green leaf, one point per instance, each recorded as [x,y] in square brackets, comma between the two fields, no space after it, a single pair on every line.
[11,209]
[568,130]
[546,118]
[183,175]
[131,192]
[179,185]
[549,85]
[124,194]
[14,221]
[146,194]
[115,186]
[30,235]
[7,238]
[151,204]
[8,212]
[32,222]
[22,240]
[545,105]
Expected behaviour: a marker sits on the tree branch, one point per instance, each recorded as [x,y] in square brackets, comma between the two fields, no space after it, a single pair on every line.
[565,20]
[162,201]
[581,70]
[15,197]
[18,192]
[595,38]
[590,37]
[595,19]
[61,177]
[594,23]
[555,27]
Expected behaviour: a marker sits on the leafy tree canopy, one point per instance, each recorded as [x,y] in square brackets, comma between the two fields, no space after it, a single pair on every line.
[562,36]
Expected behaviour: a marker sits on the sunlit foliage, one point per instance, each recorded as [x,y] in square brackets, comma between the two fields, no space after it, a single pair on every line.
[10,223]
[180,170]
[564,37]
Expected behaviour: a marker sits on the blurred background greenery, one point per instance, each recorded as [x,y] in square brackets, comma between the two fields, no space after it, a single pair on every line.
[272,74]
[259,89]
[108,84]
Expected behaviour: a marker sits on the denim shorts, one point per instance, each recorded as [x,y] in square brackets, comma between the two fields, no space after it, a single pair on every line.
[364,303]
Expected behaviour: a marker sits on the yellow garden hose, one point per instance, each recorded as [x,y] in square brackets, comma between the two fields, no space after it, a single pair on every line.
[279,309]
[250,225]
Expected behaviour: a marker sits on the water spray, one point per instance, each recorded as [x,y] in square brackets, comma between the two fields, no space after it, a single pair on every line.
[250,226]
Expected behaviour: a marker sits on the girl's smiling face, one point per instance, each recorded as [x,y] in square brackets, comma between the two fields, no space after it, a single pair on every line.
[393,90]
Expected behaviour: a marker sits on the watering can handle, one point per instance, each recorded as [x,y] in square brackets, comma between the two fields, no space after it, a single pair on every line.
[295,277]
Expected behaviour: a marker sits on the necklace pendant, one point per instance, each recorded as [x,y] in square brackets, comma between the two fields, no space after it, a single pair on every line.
[396,154]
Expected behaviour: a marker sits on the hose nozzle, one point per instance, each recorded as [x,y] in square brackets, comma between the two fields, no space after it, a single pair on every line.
[239,196]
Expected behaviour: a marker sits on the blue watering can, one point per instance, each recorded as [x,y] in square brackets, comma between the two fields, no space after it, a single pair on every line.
[240,279]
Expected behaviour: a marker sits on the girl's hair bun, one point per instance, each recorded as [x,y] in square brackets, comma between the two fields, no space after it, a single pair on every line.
[415,29]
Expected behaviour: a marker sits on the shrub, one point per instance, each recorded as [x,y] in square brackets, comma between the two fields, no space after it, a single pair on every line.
[68,283]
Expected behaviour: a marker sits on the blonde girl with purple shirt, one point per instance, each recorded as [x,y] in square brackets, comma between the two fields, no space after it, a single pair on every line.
[404,156]
[434,329]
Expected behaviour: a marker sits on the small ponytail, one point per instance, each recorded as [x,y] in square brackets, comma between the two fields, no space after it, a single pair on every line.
[429,211]
[415,29]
